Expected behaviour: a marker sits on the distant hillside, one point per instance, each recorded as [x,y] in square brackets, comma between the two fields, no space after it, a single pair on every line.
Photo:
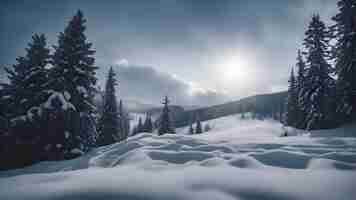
[265,105]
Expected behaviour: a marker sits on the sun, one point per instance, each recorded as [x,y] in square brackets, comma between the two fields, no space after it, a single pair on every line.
[235,69]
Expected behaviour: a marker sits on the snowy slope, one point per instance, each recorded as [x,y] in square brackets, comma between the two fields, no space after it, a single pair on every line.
[244,160]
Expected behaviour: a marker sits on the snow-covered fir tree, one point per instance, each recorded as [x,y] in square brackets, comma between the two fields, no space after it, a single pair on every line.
[134,131]
[148,125]
[73,76]
[28,78]
[292,101]
[124,122]
[73,65]
[109,122]
[345,57]
[165,121]
[24,97]
[140,126]
[301,80]
[318,84]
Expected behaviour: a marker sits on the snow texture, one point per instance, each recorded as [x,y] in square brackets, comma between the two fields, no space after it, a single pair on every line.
[65,105]
[237,159]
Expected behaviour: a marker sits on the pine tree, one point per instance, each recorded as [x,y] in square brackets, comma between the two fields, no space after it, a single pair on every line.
[191,129]
[292,101]
[73,65]
[301,81]
[25,95]
[124,122]
[319,84]
[198,127]
[148,126]
[140,126]
[28,77]
[345,57]
[73,76]
[165,125]
[109,122]
[134,131]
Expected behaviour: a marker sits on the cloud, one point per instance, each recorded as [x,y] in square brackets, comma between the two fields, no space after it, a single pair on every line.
[148,85]
[122,62]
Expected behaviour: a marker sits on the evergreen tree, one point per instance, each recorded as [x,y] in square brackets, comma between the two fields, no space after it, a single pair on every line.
[191,129]
[319,84]
[165,125]
[22,100]
[140,126]
[134,131]
[73,65]
[124,122]
[292,101]
[301,81]
[345,57]
[73,76]
[148,126]
[198,127]
[28,78]
[109,122]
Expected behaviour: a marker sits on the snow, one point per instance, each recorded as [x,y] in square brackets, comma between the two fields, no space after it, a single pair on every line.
[82,90]
[77,151]
[6,97]
[67,95]
[57,95]
[31,112]
[19,119]
[237,159]
[66,134]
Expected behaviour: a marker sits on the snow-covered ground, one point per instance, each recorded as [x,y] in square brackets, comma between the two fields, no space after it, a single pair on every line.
[237,159]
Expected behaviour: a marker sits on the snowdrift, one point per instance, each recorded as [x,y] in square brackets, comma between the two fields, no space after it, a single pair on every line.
[245,160]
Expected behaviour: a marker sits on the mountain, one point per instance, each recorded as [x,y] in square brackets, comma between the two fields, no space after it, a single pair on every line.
[263,105]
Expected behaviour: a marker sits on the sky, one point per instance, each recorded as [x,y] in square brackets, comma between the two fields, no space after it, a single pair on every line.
[199,52]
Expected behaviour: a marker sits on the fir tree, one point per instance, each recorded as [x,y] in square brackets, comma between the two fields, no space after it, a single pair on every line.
[73,76]
[109,122]
[73,65]
[292,101]
[28,77]
[140,126]
[124,122]
[134,131]
[319,84]
[148,126]
[191,129]
[165,125]
[198,127]
[25,93]
[345,57]
[301,80]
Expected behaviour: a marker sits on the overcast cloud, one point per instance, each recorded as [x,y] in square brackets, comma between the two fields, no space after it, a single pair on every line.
[186,39]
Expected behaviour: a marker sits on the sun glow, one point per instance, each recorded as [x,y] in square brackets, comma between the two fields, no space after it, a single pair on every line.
[235,69]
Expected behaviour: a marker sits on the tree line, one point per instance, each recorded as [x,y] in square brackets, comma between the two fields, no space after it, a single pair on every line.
[322,94]
[48,106]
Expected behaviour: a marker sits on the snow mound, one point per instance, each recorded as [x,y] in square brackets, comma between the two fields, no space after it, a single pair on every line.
[282,158]
[248,161]
[327,164]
